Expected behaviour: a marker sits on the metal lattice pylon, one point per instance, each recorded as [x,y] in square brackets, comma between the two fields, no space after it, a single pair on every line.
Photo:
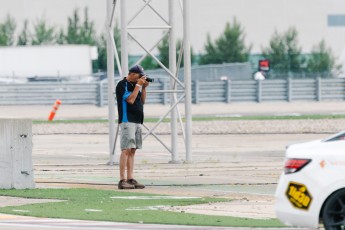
[169,28]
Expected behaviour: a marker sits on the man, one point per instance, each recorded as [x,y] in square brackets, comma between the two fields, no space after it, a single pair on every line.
[131,95]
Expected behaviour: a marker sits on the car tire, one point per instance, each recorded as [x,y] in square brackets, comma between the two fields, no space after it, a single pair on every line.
[333,214]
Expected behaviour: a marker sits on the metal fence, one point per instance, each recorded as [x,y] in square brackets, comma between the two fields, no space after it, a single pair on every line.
[202,92]
[212,72]
[46,93]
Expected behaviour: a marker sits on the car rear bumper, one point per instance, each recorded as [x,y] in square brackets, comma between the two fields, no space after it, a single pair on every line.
[287,212]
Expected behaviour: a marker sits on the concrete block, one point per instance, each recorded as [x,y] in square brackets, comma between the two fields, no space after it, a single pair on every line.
[16,170]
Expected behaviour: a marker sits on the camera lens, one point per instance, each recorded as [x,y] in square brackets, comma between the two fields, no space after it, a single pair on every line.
[150,79]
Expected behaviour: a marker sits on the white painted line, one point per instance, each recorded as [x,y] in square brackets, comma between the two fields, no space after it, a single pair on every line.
[18,210]
[153,197]
[159,207]
[81,156]
[93,210]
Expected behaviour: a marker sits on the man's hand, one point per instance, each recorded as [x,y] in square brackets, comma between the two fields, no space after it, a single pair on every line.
[141,81]
[146,84]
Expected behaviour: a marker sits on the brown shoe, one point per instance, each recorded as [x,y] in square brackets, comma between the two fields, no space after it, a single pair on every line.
[135,183]
[123,184]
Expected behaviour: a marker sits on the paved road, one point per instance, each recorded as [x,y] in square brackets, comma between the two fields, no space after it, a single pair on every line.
[9,222]
[235,166]
[51,224]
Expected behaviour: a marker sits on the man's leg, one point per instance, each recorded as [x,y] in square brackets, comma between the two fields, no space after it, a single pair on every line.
[123,184]
[130,163]
[130,160]
[123,163]
[130,169]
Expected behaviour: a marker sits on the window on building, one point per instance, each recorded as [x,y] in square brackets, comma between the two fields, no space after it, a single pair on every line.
[336,20]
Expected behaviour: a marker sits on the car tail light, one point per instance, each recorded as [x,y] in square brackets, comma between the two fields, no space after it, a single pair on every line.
[293,165]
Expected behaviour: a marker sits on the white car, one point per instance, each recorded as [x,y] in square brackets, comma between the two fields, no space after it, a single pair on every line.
[311,189]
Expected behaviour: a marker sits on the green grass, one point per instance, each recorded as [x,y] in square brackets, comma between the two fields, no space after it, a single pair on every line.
[213,118]
[78,201]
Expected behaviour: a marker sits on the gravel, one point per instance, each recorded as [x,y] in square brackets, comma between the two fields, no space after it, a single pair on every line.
[207,127]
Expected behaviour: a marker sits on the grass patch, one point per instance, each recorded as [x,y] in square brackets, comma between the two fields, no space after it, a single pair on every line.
[211,118]
[80,203]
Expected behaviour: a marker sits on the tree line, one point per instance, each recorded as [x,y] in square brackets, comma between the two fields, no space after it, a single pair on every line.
[285,55]
[283,51]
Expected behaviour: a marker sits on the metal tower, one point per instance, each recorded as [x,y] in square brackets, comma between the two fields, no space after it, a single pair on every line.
[168,27]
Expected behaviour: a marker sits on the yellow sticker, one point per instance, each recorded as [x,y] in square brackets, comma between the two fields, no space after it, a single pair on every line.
[298,195]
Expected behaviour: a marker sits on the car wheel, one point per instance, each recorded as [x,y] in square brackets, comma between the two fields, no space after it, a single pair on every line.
[333,215]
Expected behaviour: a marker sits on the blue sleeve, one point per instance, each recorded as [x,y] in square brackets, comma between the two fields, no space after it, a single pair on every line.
[126,94]
[121,91]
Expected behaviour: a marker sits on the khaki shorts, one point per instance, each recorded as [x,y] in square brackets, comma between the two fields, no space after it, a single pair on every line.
[131,137]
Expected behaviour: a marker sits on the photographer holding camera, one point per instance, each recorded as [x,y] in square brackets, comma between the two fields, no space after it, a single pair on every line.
[131,95]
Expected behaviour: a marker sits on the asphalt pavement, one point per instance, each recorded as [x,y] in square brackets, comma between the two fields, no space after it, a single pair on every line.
[243,167]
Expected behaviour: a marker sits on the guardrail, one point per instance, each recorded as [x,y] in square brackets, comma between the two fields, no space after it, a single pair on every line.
[202,91]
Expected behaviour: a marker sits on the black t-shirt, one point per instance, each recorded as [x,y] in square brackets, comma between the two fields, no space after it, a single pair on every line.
[129,112]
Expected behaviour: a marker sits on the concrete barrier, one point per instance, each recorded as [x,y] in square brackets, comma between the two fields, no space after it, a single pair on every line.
[16,169]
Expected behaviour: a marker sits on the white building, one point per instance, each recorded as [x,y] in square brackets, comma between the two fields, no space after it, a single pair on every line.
[47,61]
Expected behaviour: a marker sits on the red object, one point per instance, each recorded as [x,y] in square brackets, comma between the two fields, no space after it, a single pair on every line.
[293,165]
[54,110]
[264,65]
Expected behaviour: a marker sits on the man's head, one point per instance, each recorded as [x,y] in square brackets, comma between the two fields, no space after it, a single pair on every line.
[137,69]
[135,72]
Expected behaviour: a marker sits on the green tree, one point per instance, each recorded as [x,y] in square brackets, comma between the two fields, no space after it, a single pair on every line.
[284,52]
[163,49]
[228,48]
[60,37]
[149,63]
[322,61]
[43,33]
[211,53]
[178,49]
[24,36]
[101,63]
[7,29]
[80,32]
[83,32]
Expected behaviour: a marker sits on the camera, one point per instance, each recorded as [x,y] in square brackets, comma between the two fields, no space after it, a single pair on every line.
[149,79]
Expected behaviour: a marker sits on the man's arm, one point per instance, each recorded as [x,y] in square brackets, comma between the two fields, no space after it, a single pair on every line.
[143,94]
[131,98]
